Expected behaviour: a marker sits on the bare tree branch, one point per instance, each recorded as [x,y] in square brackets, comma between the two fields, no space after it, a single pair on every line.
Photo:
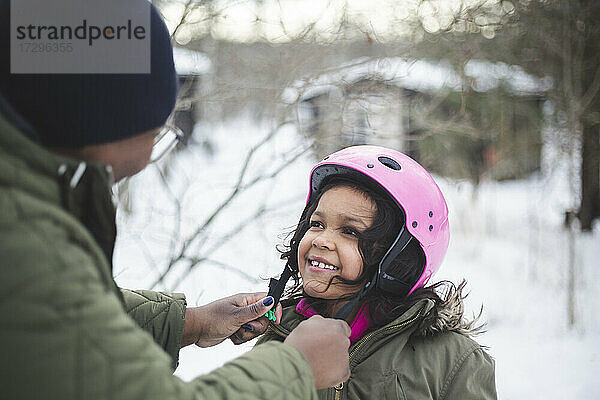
[592,92]
[238,188]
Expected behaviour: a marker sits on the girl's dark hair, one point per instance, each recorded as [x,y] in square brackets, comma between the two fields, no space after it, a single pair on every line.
[407,268]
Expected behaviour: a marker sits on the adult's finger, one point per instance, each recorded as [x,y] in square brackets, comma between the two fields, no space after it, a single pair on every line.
[254,311]
[345,327]
[250,330]
[278,313]
[245,299]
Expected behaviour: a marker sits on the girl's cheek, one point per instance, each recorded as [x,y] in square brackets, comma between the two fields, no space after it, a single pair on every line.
[301,270]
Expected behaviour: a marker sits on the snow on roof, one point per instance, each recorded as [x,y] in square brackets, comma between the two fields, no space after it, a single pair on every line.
[419,75]
[190,62]
[489,75]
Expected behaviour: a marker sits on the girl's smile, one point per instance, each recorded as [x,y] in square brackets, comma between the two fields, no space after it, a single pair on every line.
[330,246]
[319,264]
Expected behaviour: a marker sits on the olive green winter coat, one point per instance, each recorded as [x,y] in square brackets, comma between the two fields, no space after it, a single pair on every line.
[66,330]
[397,362]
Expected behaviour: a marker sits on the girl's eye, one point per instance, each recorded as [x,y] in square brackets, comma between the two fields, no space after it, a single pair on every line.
[316,224]
[350,231]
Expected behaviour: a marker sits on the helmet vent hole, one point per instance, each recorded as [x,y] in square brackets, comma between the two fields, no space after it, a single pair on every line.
[430,214]
[414,224]
[430,227]
[388,162]
[369,165]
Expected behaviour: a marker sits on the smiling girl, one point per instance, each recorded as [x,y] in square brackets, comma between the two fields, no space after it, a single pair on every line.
[373,232]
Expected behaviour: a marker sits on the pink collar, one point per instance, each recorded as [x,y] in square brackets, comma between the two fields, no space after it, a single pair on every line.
[358,327]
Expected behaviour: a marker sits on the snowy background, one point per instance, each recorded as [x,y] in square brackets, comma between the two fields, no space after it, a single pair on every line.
[507,239]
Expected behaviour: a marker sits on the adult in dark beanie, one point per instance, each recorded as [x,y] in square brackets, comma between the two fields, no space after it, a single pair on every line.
[66,330]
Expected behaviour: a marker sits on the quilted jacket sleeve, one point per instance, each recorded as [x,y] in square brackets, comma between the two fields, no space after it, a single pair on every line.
[160,314]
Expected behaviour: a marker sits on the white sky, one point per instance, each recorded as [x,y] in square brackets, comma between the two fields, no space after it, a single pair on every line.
[282,20]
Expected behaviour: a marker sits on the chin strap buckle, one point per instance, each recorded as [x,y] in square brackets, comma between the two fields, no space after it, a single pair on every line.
[276,288]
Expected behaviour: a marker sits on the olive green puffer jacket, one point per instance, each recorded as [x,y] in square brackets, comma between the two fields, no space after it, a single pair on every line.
[405,360]
[66,330]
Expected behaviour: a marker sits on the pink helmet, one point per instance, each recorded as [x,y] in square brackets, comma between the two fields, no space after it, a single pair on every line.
[415,192]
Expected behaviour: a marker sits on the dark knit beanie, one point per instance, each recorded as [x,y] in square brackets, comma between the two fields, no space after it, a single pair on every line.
[74,110]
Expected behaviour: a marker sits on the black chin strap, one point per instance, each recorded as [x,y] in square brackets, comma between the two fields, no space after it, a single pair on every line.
[380,279]
[277,286]
[349,306]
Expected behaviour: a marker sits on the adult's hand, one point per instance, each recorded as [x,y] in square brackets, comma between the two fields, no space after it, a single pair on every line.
[324,342]
[212,323]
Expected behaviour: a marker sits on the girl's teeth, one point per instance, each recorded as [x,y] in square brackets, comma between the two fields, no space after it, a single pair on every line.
[322,265]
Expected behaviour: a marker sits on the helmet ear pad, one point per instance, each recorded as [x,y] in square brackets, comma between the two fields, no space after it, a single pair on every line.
[403,271]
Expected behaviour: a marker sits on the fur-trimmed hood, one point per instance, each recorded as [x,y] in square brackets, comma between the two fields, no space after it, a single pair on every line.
[447,314]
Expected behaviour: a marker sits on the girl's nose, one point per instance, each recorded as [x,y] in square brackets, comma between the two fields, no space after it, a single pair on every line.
[323,241]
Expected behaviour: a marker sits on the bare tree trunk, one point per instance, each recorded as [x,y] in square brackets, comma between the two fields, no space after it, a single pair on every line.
[571,278]
[590,176]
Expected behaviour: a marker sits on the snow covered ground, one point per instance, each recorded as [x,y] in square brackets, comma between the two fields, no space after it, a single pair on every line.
[507,240]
